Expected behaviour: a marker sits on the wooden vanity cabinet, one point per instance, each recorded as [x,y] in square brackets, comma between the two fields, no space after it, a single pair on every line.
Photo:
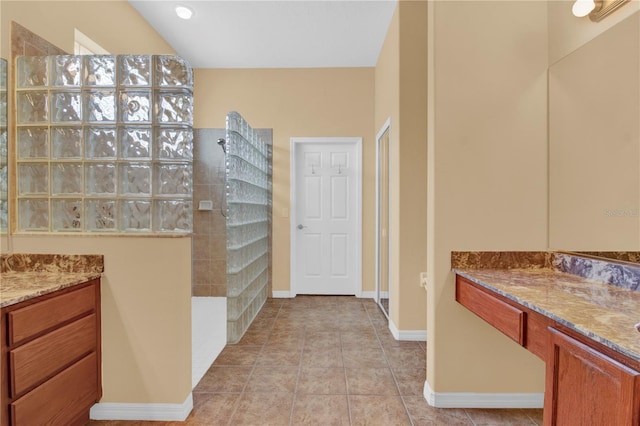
[586,387]
[586,382]
[50,366]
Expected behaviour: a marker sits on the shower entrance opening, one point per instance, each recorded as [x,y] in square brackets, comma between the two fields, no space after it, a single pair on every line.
[326,200]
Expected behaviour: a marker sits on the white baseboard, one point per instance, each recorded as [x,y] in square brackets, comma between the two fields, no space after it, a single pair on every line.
[482,400]
[367,295]
[134,411]
[287,294]
[409,335]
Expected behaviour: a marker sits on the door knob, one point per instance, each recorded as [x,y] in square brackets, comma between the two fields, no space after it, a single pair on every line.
[301,226]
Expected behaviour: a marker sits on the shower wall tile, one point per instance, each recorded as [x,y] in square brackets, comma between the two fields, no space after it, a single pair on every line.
[201,269]
[219,226]
[218,270]
[218,290]
[219,247]
[201,247]
[209,226]
[201,221]
[203,291]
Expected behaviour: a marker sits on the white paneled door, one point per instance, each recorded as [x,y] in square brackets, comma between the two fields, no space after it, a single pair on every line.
[326,240]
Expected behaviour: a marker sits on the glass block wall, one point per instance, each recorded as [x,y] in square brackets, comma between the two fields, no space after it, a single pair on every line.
[104,144]
[4,172]
[247,225]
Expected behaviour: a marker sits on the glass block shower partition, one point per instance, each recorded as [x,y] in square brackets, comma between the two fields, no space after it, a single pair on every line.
[247,225]
[104,144]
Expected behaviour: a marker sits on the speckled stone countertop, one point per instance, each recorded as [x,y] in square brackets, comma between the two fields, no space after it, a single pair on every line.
[17,287]
[25,276]
[598,307]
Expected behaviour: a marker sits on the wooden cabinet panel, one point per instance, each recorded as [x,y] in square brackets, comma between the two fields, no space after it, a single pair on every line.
[504,317]
[41,358]
[585,387]
[537,336]
[31,320]
[50,358]
[51,403]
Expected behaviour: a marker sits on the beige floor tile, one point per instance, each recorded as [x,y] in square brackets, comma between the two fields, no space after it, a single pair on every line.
[406,357]
[279,356]
[422,414]
[511,417]
[224,379]
[535,415]
[253,338]
[322,381]
[354,340]
[233,355]
[377,410]
[312,357]
[364,357]
[288,370]
[322,340]
[263,409]
[410,381]
[273,379]
[212,409]
[288,338]
[320,410]
[370,381]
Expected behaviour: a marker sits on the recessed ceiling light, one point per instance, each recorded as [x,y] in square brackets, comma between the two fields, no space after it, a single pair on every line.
[184,12]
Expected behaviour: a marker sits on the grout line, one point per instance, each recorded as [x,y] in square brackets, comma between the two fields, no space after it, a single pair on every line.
[295,388]
[253,369]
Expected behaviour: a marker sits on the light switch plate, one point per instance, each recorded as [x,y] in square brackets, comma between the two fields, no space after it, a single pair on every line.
[423,279]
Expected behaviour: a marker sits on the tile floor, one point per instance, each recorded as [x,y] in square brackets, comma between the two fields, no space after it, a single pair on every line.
[325,360]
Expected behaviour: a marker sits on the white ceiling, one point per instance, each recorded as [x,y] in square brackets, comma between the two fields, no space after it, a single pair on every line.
[273,33]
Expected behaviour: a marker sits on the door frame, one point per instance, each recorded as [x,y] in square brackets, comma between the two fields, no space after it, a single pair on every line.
[295,143]
[386,126]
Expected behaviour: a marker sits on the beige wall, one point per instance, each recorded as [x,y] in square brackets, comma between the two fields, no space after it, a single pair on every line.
[400,93]
[146,312]
[306,102]
[146,288]
[412,170]
[594,143]
[488,178]
[113,24]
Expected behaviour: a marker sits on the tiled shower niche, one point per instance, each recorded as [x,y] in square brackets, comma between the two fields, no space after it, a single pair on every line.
[104,143]
[248,198]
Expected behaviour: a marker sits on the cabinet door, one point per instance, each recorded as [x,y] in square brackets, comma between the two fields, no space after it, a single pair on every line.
[585,387]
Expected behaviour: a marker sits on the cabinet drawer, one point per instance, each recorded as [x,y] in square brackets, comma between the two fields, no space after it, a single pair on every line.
[31,320]
[501,315]
[60,400]
[39,359]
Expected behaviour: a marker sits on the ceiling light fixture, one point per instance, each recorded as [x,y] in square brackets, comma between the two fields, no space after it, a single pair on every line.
[184,12]
[596,9]
[582,8]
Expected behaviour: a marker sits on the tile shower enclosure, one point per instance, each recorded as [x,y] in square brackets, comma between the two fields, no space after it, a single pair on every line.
[210,226]
[104,143]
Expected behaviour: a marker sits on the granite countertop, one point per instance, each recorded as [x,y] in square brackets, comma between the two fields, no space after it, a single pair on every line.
[25,276]
[601,311]
[17,287]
